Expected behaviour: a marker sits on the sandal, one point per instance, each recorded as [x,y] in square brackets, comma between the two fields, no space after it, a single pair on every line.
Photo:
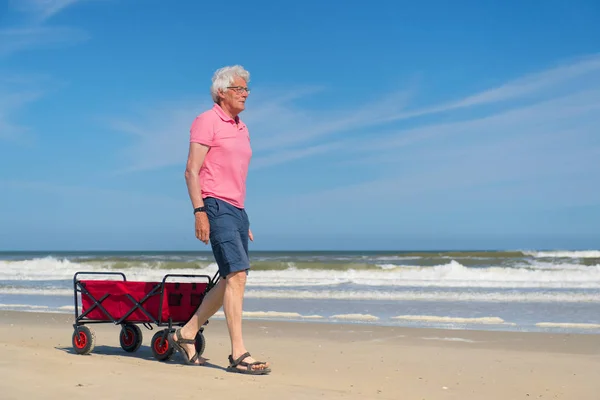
[177,346]
[233,366]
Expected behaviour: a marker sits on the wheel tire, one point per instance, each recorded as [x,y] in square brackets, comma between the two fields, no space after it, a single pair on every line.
[200,343]
[164,351]
[130,338]
[83,340]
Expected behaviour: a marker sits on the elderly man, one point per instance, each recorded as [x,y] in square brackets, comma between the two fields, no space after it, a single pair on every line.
[215,174]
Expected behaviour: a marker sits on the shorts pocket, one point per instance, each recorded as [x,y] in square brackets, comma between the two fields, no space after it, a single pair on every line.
[227,246]
[212,208]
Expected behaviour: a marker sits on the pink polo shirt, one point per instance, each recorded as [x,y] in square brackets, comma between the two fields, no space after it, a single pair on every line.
[223,173]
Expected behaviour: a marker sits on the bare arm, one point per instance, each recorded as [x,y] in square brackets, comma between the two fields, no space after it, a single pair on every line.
[196,155]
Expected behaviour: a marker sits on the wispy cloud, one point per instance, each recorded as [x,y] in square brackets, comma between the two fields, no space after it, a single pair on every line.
[564,77]
[524,173]
[115,209]
[540,147]
[530,150]
[29,38]
[41,10]
[291,155]
[299,126]
[16,92]
[280,130]
[545,117]
[10,103]
[85,190]
[35,32]
[159,134]
[562,98]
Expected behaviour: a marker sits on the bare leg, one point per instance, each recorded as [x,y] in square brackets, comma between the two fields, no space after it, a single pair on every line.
[232,305]
[209,306]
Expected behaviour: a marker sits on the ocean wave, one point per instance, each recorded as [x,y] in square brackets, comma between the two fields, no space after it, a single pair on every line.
[381,295]
[567,325]
[355,317]
[452,274]
[446,296]
[453,320]
[271,314]
[564,254]
[537,274]
[50,268]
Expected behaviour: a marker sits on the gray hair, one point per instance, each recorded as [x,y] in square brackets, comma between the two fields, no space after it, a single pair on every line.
[224,77]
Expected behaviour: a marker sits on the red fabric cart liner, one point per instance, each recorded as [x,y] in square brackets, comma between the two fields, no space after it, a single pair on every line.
[180,300]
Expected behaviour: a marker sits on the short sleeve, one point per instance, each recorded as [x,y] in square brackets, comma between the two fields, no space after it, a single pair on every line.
[202,130]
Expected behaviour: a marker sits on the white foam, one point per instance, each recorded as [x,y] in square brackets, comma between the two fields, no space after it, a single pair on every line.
[564,254]
[453,320]
[567,325]
[50,268]
[449,339]
[425,296]
[539,274]
[416,295]
[356,317]
[33,307]
[271,314]
[397,258]
[452,274]
[37,292]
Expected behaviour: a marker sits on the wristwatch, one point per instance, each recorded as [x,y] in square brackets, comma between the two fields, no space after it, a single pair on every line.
[199,209]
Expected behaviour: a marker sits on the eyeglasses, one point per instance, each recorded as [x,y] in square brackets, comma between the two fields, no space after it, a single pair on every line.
[239,89]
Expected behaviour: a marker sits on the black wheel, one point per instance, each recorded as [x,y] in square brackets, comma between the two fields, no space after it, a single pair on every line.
[200,343]
[83,340]
[161,349]
[130,337]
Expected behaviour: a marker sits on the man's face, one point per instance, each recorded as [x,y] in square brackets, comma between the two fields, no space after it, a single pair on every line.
[236,94]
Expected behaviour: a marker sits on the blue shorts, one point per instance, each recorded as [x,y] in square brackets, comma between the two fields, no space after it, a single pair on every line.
[229,227]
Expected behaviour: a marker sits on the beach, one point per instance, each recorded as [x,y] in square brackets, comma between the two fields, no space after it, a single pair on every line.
[309,360]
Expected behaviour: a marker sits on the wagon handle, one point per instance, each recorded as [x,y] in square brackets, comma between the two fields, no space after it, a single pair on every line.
[185,276]
[211,281]
[98,273]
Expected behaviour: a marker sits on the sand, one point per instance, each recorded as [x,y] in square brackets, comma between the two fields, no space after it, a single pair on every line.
[309,361]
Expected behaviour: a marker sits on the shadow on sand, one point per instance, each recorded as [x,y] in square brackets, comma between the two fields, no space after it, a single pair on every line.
[143,353]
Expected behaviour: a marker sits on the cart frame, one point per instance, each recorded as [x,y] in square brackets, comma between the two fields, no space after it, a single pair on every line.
[130,335]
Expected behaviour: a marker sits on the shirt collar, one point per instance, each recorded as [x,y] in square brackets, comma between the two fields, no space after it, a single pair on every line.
[223,115]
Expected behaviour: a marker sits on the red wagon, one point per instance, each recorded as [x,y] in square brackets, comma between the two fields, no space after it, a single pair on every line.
[128,303]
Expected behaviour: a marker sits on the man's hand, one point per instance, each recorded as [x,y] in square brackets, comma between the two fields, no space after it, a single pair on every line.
[250,235]
[202,227]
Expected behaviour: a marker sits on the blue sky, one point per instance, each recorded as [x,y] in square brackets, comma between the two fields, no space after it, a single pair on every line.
[376,125]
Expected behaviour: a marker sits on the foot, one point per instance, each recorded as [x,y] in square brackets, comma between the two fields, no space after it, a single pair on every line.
[188,346]
[244,362]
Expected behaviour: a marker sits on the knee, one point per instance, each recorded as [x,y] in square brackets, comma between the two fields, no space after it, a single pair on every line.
[237,278]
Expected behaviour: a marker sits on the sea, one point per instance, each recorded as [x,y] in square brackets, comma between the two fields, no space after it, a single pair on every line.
[528,291]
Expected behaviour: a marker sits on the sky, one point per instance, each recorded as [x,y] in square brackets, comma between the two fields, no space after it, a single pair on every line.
[380,125]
